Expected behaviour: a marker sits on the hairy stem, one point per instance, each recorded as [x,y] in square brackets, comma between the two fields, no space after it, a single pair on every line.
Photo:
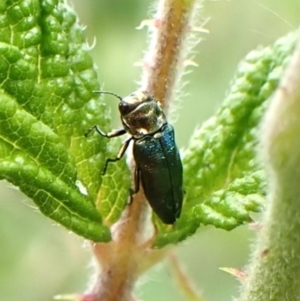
[274,270]
[164,62]
[119,260]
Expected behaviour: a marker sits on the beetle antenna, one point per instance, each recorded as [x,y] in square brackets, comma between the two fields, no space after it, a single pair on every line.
[107,92]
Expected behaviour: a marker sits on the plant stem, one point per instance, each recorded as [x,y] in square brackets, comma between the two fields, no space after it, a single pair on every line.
[164,62]
[119,260]
[274,270]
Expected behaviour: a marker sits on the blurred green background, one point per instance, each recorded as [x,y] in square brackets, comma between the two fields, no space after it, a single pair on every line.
[39,259]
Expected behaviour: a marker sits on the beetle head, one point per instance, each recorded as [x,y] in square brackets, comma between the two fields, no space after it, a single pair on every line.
[141,114]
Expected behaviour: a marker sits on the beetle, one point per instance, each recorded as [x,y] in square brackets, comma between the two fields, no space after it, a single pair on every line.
[158,166]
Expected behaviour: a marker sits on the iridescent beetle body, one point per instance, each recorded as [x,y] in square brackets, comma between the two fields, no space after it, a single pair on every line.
[157,159]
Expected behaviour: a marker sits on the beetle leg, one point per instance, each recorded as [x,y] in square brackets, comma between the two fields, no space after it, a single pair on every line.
[112,134]
[136,184]
[136,180]
[119,156]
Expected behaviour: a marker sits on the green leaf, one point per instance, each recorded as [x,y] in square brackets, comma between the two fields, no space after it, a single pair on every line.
[223,179]
[33,158]
[46,105]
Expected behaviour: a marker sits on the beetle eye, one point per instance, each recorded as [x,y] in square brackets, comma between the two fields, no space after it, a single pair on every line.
[149,98]
[125,108]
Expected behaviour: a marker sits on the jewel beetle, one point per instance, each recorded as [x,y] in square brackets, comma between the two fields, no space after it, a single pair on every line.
[158,166]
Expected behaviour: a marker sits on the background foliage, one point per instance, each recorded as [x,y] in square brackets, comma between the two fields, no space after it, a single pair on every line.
[55,259]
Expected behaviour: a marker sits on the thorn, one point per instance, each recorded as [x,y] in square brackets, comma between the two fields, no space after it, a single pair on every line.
[190,63]
[143,64]
[239,274]
[92,46]
[201,27]
[255,226]
[74,297]
[147,22]
[154,23]
[88,46]
[138,64]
